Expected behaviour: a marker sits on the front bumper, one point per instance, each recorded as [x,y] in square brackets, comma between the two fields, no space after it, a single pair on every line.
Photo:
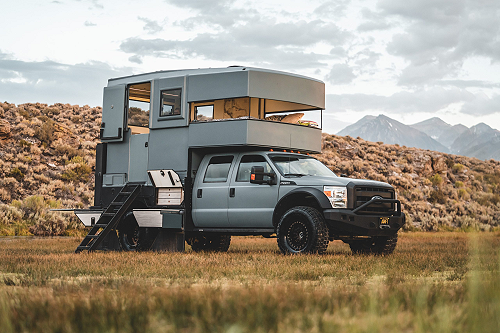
[346,222]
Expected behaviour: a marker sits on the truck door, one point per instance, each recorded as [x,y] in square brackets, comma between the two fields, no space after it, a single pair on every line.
[251,205]
[211,192]
[113,114]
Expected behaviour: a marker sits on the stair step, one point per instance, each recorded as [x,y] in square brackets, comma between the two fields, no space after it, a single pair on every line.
[108,214]
[91,236]
[117,203]
[124,193]
[100,225]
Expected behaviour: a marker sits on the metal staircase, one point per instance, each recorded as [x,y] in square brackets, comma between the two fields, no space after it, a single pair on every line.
[110,217]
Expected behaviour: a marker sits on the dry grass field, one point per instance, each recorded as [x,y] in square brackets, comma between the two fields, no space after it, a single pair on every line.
[441,282]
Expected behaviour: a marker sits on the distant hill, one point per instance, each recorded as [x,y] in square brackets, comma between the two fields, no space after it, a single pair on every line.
[480,141]
[390,131]
[440,130]
[433,127]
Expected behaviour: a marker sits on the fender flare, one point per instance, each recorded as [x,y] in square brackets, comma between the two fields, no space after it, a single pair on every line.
[318,195]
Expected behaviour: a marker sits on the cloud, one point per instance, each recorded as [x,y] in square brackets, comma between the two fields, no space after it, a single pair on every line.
[441,34]
[52,82]
[482,105]
[260,42]
[89,24]
[426,101]
[340,74]
[151,26]
[135,59]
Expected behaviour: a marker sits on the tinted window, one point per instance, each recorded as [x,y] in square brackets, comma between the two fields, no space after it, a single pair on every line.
[298,166]
[246,164]
[218,169]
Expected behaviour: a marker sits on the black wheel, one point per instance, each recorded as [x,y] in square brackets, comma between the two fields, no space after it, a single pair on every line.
[133,238]
[375,245]
[302,230]
[212,243]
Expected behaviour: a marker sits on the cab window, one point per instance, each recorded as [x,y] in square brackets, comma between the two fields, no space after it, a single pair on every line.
[246,164]
[218,169]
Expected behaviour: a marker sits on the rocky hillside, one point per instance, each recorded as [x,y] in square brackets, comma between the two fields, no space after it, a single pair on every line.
[47,156]
[438,190]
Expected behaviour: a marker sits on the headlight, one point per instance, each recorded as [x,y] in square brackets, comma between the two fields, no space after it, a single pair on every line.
[337,196]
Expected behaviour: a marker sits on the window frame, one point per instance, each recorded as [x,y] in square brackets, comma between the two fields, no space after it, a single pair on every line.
[228,170]
[239,165]
[170,116]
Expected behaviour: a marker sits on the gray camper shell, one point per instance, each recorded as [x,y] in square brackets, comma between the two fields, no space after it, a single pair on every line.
[202,108]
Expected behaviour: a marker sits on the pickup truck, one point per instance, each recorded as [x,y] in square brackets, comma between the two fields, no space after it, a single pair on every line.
[296,196]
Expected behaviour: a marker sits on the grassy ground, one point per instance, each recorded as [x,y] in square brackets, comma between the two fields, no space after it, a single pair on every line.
[442,282]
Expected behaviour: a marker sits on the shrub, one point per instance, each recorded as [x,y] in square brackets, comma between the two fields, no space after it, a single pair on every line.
[457,168]
[45,133]
[462,194]
[437,197]
[17,174]
[436,180]
[459,184]
[77,170]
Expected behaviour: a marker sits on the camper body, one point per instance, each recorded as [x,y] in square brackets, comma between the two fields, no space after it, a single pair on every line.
[201,155]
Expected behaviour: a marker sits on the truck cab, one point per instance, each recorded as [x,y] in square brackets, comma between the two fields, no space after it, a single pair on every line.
[203,155]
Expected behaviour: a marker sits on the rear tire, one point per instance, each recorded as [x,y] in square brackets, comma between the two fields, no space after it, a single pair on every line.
[302,230]
[132,238]
[382,245]
[210,243]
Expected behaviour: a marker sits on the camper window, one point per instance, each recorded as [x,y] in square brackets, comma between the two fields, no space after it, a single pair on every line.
[138,105]
[170,103]
[204,112]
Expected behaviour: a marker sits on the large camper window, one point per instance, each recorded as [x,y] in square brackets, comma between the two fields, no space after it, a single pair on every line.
[138,107]
[170,103]
[256,108]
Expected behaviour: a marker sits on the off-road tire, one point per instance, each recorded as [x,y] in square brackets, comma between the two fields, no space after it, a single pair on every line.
[302,230]
[134,238]
[375,245]
[210,243]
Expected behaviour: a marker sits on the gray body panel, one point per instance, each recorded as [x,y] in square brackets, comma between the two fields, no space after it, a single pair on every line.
[213,83]
[253,204]
[255,132]
[113,113]
[211,209]
[168,150]
[138,162]
[171,121]
[118,156]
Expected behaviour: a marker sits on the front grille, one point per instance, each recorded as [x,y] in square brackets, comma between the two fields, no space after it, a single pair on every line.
[364,194]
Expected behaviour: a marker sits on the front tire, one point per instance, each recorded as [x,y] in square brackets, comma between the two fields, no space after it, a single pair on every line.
[302,230]
[375,245]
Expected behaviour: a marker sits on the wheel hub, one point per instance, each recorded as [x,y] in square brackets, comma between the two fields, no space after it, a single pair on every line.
[297,236]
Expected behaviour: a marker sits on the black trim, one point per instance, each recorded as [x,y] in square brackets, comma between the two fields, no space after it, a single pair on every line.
[101,154]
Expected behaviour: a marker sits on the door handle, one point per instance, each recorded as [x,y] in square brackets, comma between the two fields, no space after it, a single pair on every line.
[199,193]
[231,192]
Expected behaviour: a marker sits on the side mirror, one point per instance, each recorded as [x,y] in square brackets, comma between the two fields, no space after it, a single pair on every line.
[257,176]
[344,175]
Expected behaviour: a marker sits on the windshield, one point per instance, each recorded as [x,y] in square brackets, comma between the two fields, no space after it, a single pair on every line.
[299,166]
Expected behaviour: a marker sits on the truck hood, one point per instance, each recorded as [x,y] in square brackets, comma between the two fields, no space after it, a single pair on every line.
[333,181]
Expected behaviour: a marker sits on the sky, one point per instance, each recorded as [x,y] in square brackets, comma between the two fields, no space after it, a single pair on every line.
[410,60]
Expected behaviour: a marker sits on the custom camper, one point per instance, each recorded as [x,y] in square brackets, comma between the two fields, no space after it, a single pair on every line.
[202,155]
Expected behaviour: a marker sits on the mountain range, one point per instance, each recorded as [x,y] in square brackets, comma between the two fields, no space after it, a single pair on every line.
[480,141]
